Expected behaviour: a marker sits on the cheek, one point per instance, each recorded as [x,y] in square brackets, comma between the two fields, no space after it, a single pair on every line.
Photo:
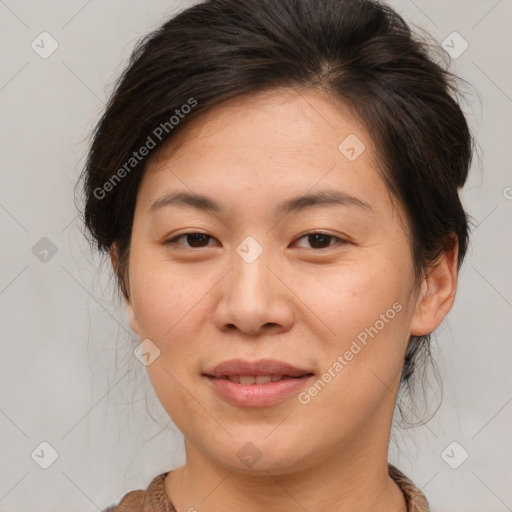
[355,297]
[171,318]
[361,301]
[368,313]
[161,293]
[172,308]
[170,311]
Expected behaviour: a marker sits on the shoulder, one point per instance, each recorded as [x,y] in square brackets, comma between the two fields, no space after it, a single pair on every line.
[131,502]
[415,499]
[152,499]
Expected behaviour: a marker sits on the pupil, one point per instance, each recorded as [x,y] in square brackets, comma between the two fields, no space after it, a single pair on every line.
[318,237]
[195,239]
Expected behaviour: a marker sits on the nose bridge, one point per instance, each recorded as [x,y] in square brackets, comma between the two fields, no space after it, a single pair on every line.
[250,275]
[252,296]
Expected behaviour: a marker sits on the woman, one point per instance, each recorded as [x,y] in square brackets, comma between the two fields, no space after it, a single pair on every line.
[276,182]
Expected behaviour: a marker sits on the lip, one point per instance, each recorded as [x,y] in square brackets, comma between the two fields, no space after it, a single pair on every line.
[256,395]
[261,367]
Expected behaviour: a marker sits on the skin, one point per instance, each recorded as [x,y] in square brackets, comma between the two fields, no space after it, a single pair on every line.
[296,302]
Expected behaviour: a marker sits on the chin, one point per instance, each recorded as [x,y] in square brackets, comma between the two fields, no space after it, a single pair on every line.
[264,454]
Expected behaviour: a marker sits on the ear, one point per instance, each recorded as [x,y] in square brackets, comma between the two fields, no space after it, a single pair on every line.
[437,292]
[114,258]
[133,319]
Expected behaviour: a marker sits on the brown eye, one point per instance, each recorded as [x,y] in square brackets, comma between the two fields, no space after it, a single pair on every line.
[194,240]
[321,240]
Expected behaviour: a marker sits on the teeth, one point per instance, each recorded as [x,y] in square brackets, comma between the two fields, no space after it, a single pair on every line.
[262,379]
[247,380]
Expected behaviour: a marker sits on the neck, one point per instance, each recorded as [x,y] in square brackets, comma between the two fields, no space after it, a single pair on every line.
[357,481]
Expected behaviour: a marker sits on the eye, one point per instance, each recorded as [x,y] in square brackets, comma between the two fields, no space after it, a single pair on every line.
[317,240]
[195,240]
[320,240]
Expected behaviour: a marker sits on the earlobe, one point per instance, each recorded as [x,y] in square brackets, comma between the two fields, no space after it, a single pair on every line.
[133,319]
[114,258]
[437,293]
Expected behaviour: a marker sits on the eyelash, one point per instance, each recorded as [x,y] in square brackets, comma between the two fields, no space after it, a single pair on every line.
[339,240]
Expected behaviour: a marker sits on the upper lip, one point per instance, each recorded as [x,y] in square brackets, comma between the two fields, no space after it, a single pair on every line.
[261,367]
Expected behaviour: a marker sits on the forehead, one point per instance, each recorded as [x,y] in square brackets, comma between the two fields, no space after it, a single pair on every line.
[266,147]
[283,119]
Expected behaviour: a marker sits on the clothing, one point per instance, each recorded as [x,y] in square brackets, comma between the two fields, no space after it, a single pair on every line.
[155,499]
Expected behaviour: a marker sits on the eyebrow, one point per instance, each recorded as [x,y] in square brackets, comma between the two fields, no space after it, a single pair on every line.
[310,200]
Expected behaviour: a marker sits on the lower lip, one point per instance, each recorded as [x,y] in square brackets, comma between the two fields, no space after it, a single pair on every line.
[257,395]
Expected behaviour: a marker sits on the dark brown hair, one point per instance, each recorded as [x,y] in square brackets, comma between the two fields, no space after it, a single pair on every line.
[361,52]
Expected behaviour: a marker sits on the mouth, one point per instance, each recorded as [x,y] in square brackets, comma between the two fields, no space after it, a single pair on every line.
[250,380]
[256,384]
[256,372]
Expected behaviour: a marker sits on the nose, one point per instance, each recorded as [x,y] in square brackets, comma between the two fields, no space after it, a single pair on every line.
[254,298]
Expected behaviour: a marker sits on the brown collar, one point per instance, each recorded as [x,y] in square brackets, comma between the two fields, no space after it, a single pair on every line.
[155,499]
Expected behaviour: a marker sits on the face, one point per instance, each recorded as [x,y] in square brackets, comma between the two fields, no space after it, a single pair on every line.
[294,268]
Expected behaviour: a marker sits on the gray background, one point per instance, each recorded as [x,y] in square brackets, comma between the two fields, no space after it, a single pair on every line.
[68,376]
